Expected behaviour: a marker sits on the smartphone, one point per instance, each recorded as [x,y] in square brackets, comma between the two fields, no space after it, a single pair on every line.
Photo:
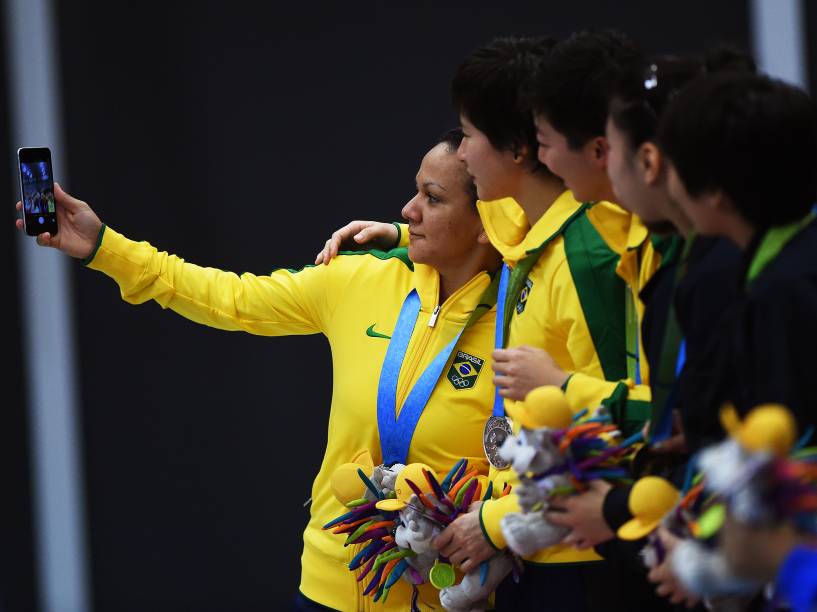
[37,190]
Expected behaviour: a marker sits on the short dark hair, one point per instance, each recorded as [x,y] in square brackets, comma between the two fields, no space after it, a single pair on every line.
[486,90]
[753,137]
[452,139]
[575,82]
[644,92]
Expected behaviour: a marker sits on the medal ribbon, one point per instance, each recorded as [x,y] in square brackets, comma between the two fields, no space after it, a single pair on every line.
[499,331]
[631,330]
[396,430]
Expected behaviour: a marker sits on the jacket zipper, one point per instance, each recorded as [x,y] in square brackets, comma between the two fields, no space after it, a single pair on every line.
[408,377]
[433,320]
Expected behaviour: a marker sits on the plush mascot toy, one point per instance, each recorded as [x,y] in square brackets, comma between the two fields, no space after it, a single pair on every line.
[556,453]
[396,512]
[750,474]
[733,475]
[734,469]
[534,451]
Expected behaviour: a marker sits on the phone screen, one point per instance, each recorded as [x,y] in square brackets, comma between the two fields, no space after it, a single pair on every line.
[37,187]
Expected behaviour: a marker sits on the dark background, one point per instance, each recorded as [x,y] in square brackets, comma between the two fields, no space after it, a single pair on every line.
[239,135]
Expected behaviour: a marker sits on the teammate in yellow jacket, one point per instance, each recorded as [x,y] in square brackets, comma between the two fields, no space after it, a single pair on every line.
[358,302]
[573,268]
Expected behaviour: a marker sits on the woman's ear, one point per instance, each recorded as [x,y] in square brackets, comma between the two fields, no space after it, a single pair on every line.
[650,162]
[599,149]
[520,153]
[482,237]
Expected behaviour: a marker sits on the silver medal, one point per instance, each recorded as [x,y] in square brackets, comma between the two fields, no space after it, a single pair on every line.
[497,429]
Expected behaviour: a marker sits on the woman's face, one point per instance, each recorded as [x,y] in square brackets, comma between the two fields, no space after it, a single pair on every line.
[491,169]
[581,169]
[629,182]
[443,221]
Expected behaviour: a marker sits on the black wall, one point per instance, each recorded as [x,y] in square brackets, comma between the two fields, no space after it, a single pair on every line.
[239,135]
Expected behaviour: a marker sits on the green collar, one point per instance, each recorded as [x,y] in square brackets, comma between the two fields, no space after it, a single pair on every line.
[772,243]
[486,301]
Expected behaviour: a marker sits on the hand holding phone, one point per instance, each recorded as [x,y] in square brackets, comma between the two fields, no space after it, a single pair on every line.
[37,190]
[79,226]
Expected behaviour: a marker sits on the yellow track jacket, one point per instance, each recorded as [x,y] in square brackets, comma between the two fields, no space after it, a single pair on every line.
[354,302]
[575,312]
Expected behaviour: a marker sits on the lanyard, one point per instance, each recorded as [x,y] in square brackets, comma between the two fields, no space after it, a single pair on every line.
[631,330]
[396,430]
[632,349]
[511,283]
[499,332]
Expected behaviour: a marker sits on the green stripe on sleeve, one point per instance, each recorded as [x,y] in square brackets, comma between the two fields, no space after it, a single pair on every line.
[399,232]
[485,531]
[398,253]
[90,257]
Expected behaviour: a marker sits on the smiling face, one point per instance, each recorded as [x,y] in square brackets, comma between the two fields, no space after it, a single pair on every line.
[583,170]
[634,186]
[492,170]
[444,225]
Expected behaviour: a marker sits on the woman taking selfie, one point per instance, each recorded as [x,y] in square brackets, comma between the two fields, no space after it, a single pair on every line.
[438,292]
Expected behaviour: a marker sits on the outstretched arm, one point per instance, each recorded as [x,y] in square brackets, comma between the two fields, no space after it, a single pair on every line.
[282,303]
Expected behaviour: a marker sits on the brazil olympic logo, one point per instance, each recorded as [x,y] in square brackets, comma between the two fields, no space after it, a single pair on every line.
[523,296]
[464,370]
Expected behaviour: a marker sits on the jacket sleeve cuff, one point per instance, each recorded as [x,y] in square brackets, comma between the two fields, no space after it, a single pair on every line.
[99,238]
[490,515]
[112,251]
[628,403]
[616,507]
[402,235]
[122,259]
[583,391]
